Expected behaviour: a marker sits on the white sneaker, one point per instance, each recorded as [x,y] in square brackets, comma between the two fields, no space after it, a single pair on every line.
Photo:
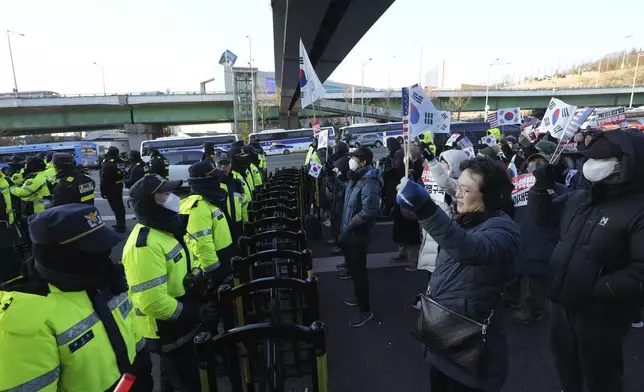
[638,325]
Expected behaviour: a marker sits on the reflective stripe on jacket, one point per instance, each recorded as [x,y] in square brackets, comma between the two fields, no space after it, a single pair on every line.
[208,231]
[246,197]
[155,271]
[257,175]
[33,190]
[57,342]
[6,197]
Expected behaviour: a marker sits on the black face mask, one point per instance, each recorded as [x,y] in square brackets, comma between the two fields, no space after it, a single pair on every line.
[240,165]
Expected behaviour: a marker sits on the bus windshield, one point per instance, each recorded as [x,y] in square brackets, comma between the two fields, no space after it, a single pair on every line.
[85,153]
[172,144]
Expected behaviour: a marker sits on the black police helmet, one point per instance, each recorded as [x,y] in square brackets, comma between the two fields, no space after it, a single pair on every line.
[149,185]
[49,156]
[237,144]
[63,161]
[35,164]
[154,151]
[112,152]
[134,154]
[201,169]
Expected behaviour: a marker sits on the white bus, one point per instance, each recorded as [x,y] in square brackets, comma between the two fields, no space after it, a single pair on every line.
[392,129]
[187,143]
[282,141]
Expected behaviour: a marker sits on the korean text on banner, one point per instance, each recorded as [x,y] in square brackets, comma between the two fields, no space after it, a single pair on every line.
[614,116]
[522,185]
[315,170]
[323,139]
[557,118]
[310,87]
[423,116]
[435,192]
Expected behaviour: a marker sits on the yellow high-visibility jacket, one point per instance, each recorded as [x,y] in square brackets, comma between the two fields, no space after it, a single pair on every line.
[247,197]
[6,196]
[57,342]
[33,190]
[208,231]
[257,175]
[155,266]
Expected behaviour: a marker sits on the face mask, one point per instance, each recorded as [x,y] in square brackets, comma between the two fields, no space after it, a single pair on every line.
[596,170]
[353,165]
[171,203]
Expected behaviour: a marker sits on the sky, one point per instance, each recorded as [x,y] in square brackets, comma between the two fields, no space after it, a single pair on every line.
[159,45]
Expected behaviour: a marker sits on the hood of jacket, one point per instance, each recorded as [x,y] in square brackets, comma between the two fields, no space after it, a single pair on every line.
[393,146]
[454,159]
[631,175]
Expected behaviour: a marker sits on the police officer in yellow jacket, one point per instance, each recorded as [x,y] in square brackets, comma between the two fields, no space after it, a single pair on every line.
[208,238]
[68,324]
[50,170]
[34,187]
[253,156]
[312,154]
[157,260]
[72,186]
[238,199]
[262,160]
[239,163]
[6,210]
[16,170]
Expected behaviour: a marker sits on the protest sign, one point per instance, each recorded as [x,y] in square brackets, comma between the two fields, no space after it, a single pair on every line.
[522,185]
[435,192]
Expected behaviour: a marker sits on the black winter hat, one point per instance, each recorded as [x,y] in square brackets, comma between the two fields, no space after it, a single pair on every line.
[601,148]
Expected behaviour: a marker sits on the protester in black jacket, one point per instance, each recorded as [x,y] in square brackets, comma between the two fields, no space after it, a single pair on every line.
[335,192]
[597,268]
[394,170]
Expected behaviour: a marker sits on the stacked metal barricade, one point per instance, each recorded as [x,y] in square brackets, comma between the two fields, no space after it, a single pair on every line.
[272,333]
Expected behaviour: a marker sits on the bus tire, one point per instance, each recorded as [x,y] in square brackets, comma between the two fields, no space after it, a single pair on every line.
[399,139]
[378,144]
[286,152]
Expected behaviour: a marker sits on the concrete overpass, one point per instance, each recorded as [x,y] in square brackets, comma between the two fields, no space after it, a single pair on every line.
[329,30]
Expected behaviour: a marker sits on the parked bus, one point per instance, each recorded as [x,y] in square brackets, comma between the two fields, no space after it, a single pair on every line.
[292,140]
[187,143]
[85,153]
[392,129]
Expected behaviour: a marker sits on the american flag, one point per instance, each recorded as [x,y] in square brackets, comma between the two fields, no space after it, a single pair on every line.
[405,110]
[492,119]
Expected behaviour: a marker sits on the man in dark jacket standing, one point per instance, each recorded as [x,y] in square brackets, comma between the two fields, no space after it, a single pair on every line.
[361,201]
[394,170]
[112,174]
[335,192]
[137,169]
[597,267]
[159,164]
[73,186]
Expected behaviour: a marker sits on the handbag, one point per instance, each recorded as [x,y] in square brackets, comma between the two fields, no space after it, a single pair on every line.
[453,336]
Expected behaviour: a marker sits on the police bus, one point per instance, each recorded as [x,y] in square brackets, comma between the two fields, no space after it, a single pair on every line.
[85,153]
[391,129]
[187,143]
[282,141]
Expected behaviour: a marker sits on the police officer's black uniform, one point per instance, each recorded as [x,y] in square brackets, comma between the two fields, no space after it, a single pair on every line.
[112,174]
[137,169]
[159,164]
[72,186]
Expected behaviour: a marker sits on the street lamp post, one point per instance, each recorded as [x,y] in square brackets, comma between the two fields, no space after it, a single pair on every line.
[252,83]
[102,77]
[637,64]
[13,67]
[362,91]
[487,83]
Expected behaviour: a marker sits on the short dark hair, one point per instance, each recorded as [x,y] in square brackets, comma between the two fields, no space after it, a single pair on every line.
[496,186]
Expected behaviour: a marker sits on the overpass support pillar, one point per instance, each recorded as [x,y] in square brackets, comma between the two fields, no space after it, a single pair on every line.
[289,120]
[136,133]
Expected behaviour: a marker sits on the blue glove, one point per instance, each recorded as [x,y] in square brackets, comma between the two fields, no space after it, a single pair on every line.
[415,197]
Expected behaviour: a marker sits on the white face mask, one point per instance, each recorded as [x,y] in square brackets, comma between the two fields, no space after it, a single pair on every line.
[171,203]
[353,165]
[596,170]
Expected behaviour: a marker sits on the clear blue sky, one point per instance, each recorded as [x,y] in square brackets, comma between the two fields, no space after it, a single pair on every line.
[149,45]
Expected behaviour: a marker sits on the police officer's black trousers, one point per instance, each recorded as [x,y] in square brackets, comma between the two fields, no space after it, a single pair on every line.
[587,350]
[180,369]
[115,200]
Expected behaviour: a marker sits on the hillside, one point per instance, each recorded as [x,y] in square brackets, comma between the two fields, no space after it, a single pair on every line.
[619,78]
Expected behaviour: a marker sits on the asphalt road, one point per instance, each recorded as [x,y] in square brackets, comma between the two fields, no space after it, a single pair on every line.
[382,356]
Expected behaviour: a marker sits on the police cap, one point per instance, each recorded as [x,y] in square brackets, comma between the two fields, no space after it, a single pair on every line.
[135,154]
[237,144]
[237,151]
[112,152]
[77,225]
[222,157]
[201,169]
[151,184]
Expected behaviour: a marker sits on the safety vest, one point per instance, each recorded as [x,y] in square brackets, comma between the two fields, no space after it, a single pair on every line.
[33,190]
[495,132]
[312,154]
[257,175]
[155,266]
[208,231]
[238,201]
[57,342]
[247,197]
[50,173]
[262,162]
[6,196]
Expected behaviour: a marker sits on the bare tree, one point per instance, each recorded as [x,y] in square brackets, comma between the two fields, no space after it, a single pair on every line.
[388,93]
[264,106]
[460,99]
[431,94]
